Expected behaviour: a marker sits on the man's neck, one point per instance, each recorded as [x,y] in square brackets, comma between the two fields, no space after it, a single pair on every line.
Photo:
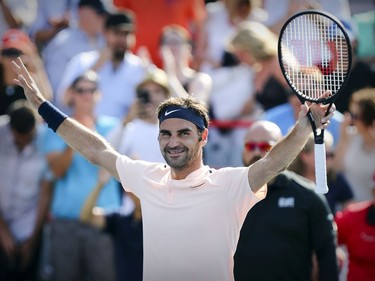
[182,173]
[117,60]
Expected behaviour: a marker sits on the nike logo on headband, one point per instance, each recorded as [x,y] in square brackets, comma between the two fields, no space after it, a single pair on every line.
[169,112]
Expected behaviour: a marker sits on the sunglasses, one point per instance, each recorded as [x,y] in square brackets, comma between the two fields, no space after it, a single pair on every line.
[11,53]
[82,91]
[262,146]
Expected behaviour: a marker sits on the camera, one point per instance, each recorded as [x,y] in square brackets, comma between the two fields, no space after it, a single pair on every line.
[143,96]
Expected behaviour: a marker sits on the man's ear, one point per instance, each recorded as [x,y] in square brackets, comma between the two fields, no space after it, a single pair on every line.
[204,136]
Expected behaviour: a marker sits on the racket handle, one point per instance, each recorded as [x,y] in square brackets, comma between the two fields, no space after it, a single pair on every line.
[320,169]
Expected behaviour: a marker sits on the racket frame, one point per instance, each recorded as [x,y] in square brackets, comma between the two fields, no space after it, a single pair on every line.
[320,161]
[335,20]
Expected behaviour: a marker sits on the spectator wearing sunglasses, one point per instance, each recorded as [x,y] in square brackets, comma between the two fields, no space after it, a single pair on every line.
[80,251]
[291,229]
[355,156]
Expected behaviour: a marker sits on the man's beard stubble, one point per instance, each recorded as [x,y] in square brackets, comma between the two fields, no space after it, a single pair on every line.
[118,55]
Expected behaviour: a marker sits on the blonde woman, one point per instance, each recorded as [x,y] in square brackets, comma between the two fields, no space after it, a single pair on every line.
[256,46]
[355,153]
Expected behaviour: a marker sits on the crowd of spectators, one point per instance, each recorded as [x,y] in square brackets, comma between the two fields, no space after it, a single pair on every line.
[108,64]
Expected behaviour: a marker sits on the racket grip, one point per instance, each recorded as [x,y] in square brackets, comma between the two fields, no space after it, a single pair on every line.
[320,169]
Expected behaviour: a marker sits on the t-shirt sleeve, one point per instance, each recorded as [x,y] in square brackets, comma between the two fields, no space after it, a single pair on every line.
[134,173]
[236,181]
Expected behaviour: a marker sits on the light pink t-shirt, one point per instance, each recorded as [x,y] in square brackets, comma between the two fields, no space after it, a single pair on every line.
[191,226]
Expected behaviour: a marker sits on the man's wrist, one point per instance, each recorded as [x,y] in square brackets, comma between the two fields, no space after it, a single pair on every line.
[52,115]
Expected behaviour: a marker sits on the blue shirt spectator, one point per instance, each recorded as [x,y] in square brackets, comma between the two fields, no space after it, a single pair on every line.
[72,189]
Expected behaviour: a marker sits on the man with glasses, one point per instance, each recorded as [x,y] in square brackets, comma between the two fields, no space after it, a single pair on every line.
[289,234]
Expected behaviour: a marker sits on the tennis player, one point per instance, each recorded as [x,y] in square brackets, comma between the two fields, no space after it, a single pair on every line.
[192,214]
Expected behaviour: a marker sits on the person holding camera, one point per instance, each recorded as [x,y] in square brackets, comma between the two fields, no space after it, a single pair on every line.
[142,119]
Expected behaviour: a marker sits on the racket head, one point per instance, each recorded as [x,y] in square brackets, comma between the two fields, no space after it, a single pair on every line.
[315,55]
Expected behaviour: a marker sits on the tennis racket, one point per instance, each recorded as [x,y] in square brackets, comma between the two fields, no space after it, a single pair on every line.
[315,55]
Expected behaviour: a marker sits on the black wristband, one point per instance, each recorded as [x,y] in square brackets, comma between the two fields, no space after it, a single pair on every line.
[52,115]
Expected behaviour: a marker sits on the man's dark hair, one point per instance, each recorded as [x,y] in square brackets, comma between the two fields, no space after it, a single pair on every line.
[96,5]
[122,20]
[22,117]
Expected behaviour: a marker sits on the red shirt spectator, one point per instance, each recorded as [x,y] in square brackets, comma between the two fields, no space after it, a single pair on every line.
[152,16]
[356,230]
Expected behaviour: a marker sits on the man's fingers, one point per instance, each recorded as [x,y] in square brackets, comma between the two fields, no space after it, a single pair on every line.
[325,125]
[20,81]
[332,109]
[16,68]
[23,77]
[20,69]
[24,71]
[319,112]
[326,94]
[326,119]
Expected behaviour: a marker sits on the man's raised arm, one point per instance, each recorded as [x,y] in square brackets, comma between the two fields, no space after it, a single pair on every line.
[283,153]
[88,143]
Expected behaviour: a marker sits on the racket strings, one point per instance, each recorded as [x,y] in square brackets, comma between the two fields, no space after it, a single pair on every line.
[315,55]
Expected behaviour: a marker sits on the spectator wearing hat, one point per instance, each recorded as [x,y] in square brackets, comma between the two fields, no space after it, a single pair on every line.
[85,35]
[77,250]
[142,119]
[125,224]
[17,43]
[119,70]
